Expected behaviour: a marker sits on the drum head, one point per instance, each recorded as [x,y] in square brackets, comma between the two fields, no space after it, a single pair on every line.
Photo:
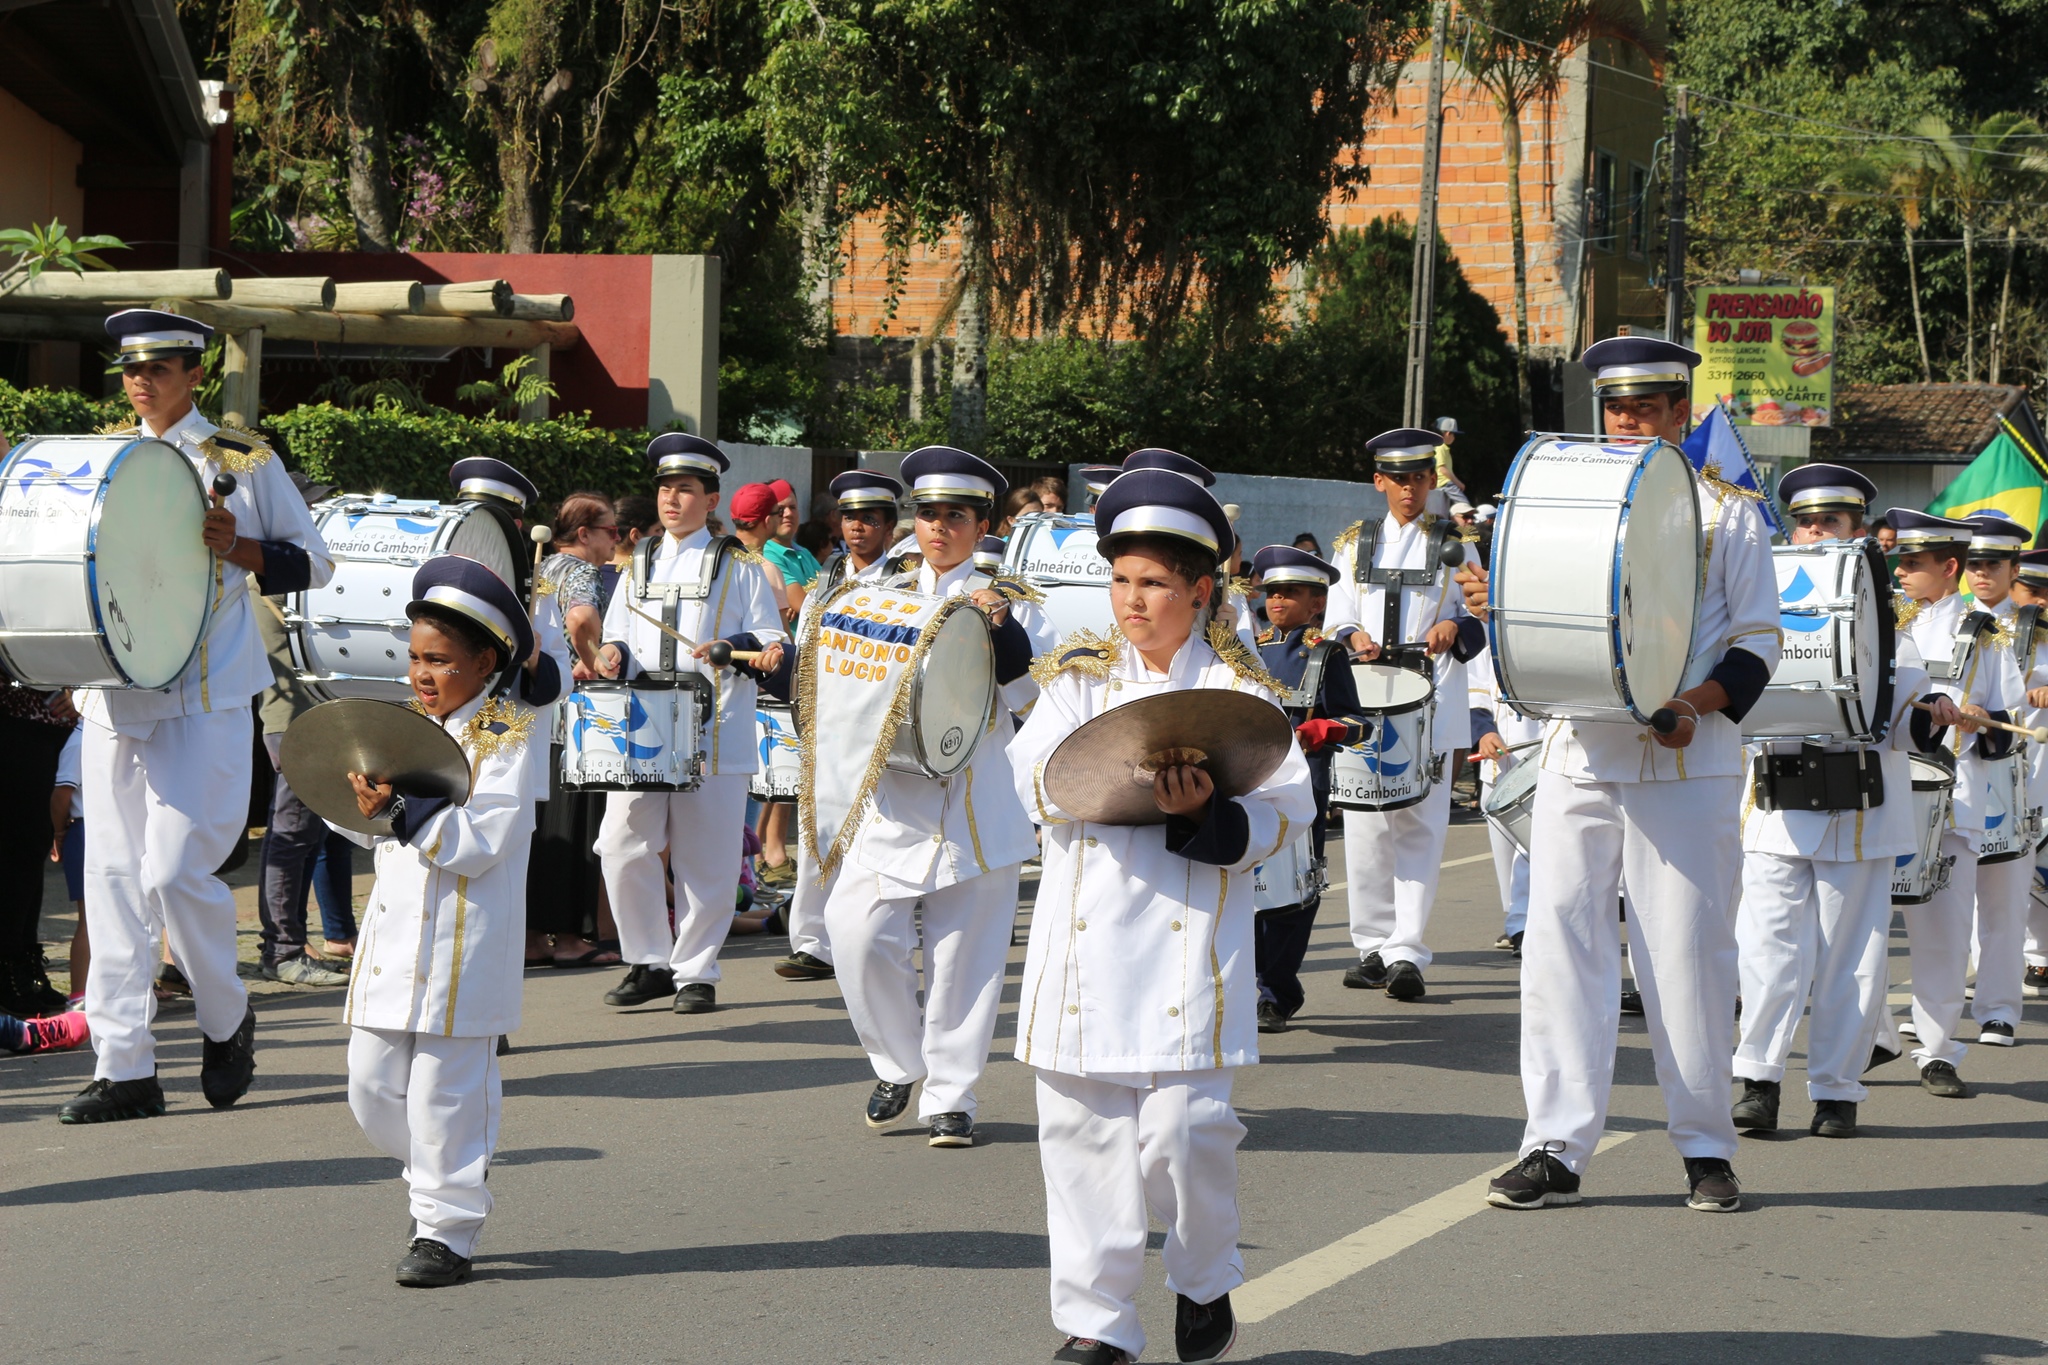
[152,577]
[1929,775]
[1657,592]
[954,690]
[1390,687]
[1516,783]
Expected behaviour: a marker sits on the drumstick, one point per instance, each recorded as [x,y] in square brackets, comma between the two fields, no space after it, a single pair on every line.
[540,536]
[223,485]
[2037,733]
[664,627]
[721,654]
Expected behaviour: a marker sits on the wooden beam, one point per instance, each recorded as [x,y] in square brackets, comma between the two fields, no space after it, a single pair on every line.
[380,296]
[469,299]
[543,308]
[285,291]
[241,377]
[84,328]
[374,329]
[123,286]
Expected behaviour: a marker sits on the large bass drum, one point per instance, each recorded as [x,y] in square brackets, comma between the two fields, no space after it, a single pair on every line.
[1596,577]
[104,579]
[349,638]
[1833,683]
[1056,554]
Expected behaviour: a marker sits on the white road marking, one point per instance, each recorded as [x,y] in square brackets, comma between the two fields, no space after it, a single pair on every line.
[1283,1287]
[1475,858]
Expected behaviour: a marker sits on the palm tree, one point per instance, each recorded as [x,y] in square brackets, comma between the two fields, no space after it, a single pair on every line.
[1516,50]
[1888,174]
[1975,171]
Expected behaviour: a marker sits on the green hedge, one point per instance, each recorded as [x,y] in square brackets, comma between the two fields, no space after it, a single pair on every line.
[56,412]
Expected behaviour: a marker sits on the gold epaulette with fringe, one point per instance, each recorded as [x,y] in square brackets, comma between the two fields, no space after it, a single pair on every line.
[1710,474]
[1017,590]
[1241,661]
[1346,538]
[746,556]
[1083,652]
[1268,635]
[1904,609]
[498,727]
[235,450]
[543,586]
[1240,586]
[1997,635]
[118,429]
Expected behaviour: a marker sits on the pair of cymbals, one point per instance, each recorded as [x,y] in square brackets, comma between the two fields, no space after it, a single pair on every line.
[1103,772]
[379,739]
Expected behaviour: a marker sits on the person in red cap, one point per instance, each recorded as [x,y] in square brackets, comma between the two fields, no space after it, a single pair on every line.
[800,568]
[753,510]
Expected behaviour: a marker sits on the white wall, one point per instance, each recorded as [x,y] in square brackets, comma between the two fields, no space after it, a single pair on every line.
[1276,510]
[764,464]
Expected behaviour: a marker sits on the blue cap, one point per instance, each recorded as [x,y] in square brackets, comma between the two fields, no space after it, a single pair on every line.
[1825,488]
[988,554]
[1277,564]
[678,452]
[147,334]
[1096,477]
[1404,450]
[1919,531]
[1994,535]
[866,488]
[944,474]
[1152,457]
[1623,366]
[468,588]
[2034,569]
[480,477]
[1158,502]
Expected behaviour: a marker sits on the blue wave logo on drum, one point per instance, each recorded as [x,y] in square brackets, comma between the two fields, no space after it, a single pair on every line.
[620,737]
[1798,590]
[410,525]
[1903,859]
[80,480]
[1379,751]
[1992,822]
[773,736]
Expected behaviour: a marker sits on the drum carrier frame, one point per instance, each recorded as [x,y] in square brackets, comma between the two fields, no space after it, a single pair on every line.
[1439,532]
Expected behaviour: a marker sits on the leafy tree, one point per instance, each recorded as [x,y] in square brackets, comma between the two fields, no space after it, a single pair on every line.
[35,249]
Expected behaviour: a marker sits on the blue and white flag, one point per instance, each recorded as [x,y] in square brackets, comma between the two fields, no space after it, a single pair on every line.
[1716,442]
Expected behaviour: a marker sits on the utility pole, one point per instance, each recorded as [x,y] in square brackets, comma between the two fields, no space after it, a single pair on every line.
[1675,300]
[1422,275]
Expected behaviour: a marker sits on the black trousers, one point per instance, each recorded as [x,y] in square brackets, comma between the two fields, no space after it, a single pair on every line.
[563,874]
[30,771]
[1280,937]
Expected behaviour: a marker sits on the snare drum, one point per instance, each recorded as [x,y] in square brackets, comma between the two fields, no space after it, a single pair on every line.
[1511,798]
[1293,876]
[1833,683]
[1055,553]
[104,581]
[620,737]
[1596,577]
[781,772]
[1918,876]
[2010,829]
[349,638]
[1397,763]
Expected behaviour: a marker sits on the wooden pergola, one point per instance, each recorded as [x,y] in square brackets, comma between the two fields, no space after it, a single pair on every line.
[59,306]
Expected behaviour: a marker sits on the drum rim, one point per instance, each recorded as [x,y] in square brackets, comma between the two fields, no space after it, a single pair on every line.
[1428,694]
[1521,793]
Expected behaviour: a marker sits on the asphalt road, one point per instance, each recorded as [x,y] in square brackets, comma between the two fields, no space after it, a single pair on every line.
[704,1190]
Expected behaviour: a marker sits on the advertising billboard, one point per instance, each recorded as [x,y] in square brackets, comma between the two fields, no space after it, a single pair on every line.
[1768,354]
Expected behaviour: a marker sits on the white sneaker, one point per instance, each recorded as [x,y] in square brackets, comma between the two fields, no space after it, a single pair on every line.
[1908,1029]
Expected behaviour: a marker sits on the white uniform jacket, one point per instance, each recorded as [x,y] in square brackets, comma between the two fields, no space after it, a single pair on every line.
[919,833]
[1363,606]
[443,938]
[1738,610]
[1991,681]
[232,665]
[1140,958]
[2030,715]
[1850,836]
[740,602]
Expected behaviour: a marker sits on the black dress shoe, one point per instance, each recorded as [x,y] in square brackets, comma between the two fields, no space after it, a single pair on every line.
[1757,1110]
[1404,982]
[888,1102]
[643,982]
[1631,1002]
[804,967]
[1712,1185]
[1879,1055]
[1833,1119]
[429,1264]
[1203,1331]
[1940,1079]
[1515,942]
[1369,975]
[111,1101]
[952,1130]
[699,997]
[1271,1020]
[1089,1351]
[227,1067]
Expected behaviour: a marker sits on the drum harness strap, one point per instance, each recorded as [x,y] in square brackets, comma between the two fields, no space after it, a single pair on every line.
[1814,779]
[1395,581]
[673,595]
[1303,697]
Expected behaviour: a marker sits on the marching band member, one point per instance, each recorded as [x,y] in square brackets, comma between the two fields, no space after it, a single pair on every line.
[1615,802]
[1138,1000]
[1932,553]
[867,519]
[705,588]
[1394,856]
[1818,844]
[1324,708]
[2031,590]
[1236,589]
[1497,728]
[437,973]
[2003,902]
[494,483]
[166,772]
[955,845]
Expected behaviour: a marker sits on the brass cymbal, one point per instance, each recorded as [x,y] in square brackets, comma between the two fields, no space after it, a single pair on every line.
[383,741]
[1103,771]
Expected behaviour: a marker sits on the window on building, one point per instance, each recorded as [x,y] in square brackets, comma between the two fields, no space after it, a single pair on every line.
[1638,212]
[1600,203]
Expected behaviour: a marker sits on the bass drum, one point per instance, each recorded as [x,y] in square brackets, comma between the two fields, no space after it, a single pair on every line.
[349,638]
[1055,553]
[1833,683]
[952,697]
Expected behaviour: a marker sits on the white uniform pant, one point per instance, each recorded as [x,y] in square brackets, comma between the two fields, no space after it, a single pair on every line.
[806,910]
[1112,1151]
[2002,907]
[703,833]
[164,813]
[1676,843]
[1392,860]
[1939,932]
[1828,923]
[966,945]
[1510,871]
[432,1103]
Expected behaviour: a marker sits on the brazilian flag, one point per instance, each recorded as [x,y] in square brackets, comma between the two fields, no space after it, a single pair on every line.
[2002,479]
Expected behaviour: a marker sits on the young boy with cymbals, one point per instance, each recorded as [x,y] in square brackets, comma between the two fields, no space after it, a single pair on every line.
[1138,999]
